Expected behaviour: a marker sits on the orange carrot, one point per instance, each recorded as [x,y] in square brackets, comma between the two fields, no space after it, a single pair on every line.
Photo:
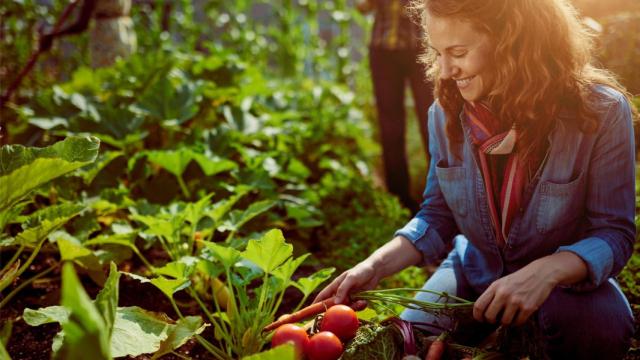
[309,311]
[436,350]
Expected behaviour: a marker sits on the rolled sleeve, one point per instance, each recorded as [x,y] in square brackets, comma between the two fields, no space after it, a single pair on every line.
[609,237]
[598,256]
[424,238]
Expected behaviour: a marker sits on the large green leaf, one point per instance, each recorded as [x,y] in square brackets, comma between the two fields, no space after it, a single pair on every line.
[138,331]
[23,169]
[107,299]
[221,208]
[170,104]
[3,352]
[46,315]
[307,284]
[238,218]
[72,250]
[176,161]
[85,331]
[212,165]
[167,286]
[269,252]
[227,255]
[40,224]
[135,331]
[179,334]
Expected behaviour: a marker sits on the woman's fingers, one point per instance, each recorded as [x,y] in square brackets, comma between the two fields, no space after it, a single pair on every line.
[509,314]
[346,285]
[496,306]
[330,290]
[480,306]
[523,315]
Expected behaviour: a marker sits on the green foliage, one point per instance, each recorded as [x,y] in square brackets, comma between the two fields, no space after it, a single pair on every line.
[102,325]
[23,169]
[268,264]
[85,329]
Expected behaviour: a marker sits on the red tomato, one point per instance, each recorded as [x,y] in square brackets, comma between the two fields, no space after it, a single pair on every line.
[290,333]
[324,346]
[340,320]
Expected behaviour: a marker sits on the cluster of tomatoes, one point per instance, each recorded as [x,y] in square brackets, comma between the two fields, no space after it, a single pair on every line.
[339,324]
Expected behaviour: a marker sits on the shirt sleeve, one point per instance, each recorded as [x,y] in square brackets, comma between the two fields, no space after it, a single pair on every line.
[610,211]
[434,225]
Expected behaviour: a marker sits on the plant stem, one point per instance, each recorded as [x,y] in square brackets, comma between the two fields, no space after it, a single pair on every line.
[184,188]
[207,345]
[26,283]
[14,257]
[393,292]
[223,330]
[27,263]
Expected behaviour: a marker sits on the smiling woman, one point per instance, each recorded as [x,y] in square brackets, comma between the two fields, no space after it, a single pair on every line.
[525,136]
[464,56]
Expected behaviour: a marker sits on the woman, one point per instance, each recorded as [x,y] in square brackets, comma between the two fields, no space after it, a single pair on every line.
[531,177]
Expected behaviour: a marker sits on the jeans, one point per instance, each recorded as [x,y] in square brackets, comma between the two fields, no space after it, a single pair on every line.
[596,324]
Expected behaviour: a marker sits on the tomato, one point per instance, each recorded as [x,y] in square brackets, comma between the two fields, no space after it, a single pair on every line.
[324,346]
[340,320]
[291,333]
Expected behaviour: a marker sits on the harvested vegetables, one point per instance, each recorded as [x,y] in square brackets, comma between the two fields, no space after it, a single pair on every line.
[340,320]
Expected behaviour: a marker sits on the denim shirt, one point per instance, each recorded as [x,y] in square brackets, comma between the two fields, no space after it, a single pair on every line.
[581,200]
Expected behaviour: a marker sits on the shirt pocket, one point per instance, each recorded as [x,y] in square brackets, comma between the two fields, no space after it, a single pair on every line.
[453,187]
[560,204]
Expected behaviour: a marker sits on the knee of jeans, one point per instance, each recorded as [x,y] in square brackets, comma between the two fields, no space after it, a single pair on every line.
[573,328]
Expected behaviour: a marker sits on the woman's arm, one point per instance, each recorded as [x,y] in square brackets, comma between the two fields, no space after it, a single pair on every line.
[390,258]
[422,240]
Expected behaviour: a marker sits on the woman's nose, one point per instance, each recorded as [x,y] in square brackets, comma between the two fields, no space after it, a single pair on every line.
[447,69]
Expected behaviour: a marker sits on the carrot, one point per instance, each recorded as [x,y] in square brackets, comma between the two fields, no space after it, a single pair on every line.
[309,311]
[436,350]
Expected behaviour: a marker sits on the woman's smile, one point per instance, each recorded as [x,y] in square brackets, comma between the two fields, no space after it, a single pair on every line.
[464,82]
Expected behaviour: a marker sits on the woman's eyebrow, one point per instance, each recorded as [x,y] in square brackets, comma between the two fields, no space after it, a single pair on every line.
[449,47]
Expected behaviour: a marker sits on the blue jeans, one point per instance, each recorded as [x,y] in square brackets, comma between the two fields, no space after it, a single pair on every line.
[575,325]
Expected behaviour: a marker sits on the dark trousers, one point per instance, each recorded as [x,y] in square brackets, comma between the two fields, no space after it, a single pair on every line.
[390,71]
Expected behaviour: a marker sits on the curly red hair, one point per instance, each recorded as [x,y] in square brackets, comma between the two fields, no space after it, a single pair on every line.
[543,64]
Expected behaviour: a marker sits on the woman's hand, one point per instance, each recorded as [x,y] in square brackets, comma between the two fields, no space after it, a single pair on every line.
[361,277]
[513,298]
[390,258]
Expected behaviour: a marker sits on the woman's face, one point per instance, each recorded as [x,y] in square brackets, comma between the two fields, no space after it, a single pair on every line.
[463,55]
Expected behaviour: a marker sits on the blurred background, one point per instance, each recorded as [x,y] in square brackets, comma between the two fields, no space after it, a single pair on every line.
[286,39]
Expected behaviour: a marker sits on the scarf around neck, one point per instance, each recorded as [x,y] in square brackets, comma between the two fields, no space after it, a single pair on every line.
[503,171]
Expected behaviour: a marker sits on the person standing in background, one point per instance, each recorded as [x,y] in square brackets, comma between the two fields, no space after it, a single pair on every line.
[393,56]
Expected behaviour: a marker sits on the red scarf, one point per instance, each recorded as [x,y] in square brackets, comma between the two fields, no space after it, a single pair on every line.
[504,173]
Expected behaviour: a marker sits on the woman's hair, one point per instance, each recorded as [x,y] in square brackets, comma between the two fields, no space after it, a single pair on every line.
[542,64]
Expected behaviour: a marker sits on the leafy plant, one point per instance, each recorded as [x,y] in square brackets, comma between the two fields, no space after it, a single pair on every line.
[22,170]
[101,325]
[255,279]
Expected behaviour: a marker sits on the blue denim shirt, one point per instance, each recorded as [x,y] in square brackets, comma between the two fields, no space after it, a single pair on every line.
[581,200]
